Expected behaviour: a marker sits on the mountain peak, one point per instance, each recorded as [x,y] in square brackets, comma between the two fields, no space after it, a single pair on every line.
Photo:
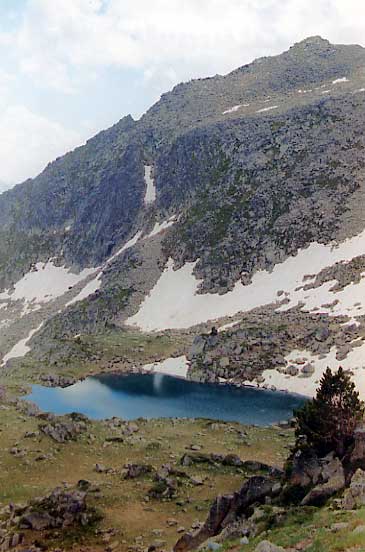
[313,43]
[316,40]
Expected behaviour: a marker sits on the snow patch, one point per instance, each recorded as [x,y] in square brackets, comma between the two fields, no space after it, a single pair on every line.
[267,108]
[43,284]
[183,307]
[355,361]
[130,243]
[90,288]
[177,367]
[93,286]
[232,109]
[338,81]
[21,348]
[160,226]
[150,185]
[227,326]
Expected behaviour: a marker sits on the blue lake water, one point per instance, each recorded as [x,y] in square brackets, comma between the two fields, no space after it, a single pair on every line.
[157,396]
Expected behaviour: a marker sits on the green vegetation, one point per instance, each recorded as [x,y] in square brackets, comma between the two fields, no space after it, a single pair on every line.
[122,502]
[328,421]
[310,529]
[110,350]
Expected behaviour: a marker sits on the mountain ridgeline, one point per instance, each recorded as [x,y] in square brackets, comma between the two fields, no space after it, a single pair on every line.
[251,167]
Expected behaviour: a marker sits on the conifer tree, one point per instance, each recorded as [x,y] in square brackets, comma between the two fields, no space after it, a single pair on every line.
[327,422]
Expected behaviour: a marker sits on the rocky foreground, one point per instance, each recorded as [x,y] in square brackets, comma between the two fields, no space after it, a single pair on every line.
[68,483]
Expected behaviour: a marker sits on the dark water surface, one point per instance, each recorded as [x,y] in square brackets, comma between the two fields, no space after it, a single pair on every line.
[156,396]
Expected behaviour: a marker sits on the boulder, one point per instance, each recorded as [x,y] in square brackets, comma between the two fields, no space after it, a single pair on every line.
[198,346]
[224,362]
[167,483]
[226,510]
[292,370]
[36,521]
[331,479]
[305,469]
[356,458]
[65,429]
[191,458]
[267,546]
[59,509]
[232,460]
[132,471]
[308,370]
[354,496]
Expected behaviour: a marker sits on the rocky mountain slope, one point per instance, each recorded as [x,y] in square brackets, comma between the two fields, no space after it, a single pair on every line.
[234,199]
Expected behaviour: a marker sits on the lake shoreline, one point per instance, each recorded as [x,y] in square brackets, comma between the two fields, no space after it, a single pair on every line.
[156,395]
[154,368]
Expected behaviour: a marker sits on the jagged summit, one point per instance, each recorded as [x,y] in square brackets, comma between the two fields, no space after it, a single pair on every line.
[312,41]
[318,47]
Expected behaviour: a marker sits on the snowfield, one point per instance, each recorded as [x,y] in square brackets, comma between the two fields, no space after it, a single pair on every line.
[21,348]
[94,284]
[44,284]
[160,226]
[150,185]
[174,302]
[177,367]
[355,361]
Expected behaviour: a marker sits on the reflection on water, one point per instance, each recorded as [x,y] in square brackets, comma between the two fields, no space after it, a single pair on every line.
[156,395]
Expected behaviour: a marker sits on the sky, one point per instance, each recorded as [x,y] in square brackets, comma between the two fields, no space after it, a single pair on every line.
[69,68]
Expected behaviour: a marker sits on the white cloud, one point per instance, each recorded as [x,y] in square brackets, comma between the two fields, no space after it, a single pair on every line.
[28,142]
[176,36]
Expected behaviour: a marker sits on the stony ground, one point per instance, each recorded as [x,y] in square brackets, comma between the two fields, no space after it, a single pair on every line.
[113,351]
[33,464]
[313,530]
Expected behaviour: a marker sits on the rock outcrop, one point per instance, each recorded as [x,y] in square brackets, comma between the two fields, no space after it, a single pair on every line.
[354,496]
[65,429]
[227,508]
[59,509]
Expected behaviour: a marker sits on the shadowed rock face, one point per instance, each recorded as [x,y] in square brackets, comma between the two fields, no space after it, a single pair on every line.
[356,458]
[226,509]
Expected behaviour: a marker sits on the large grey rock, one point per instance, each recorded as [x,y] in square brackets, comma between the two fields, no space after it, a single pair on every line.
[59,509]
[267,546]
[354,496]
[65,429]
[226,509]
[197,347]
[356,458]
[331,479]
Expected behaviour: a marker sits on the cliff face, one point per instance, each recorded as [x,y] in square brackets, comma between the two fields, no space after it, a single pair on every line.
[248,169]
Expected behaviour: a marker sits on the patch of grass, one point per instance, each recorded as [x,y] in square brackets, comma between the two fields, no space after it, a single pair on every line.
[123,501]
